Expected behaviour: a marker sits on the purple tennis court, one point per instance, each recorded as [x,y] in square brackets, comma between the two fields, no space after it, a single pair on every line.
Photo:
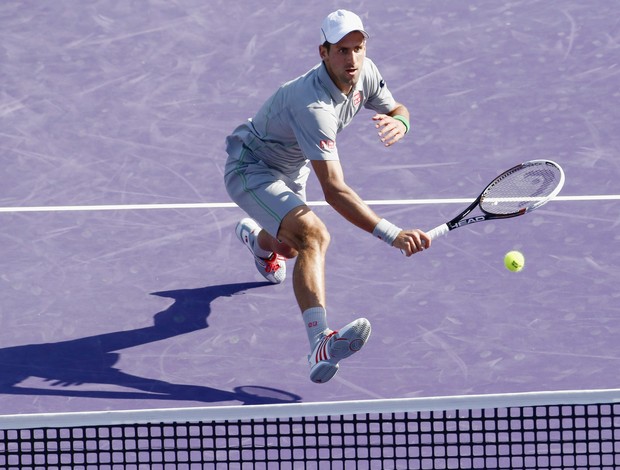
[123,285]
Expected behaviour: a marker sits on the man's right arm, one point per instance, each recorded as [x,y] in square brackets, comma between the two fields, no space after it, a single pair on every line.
[348,204]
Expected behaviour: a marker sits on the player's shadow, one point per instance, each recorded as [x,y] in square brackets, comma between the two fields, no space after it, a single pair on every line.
[91,360]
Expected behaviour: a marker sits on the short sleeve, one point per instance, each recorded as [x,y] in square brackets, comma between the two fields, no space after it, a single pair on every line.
[315,128]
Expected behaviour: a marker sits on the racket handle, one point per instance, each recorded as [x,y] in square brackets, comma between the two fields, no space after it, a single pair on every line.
[438,231]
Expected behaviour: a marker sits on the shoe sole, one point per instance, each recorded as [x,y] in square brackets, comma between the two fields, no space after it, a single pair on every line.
[323,372]
[350,340]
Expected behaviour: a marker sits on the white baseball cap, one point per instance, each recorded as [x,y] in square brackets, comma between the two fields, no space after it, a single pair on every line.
[340,23]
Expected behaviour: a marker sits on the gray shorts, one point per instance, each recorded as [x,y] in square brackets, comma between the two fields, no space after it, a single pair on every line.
[266,194]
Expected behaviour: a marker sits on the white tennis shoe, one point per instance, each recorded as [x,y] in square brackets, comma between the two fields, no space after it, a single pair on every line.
[273,268]
[335,346]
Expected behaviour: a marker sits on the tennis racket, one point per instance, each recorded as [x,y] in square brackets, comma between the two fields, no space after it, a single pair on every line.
[515,192]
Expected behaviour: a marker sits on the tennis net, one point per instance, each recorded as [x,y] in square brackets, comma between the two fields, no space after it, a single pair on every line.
[542,430]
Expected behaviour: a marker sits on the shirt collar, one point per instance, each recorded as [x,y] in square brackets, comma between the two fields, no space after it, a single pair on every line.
[337,95]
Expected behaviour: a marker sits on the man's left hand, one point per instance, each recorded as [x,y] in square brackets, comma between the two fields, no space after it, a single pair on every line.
[390,130]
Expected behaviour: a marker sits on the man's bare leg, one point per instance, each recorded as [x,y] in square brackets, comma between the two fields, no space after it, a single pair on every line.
[304,234]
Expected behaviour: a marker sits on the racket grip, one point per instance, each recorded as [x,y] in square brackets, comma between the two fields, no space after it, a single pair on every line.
[438,231]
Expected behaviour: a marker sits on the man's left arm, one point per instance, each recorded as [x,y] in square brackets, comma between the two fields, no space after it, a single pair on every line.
[392,126]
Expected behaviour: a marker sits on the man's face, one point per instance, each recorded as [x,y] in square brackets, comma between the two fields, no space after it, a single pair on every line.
[344,60]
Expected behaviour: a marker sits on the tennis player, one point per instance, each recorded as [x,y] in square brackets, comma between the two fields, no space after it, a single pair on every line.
[269,160]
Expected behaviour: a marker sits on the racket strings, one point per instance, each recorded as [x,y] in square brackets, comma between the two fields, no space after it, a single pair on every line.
[521,189]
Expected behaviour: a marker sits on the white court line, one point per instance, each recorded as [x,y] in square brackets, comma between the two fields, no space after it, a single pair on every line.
[224,205]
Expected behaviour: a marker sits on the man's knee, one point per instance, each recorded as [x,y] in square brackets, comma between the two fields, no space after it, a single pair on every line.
[301,229]
[316,235]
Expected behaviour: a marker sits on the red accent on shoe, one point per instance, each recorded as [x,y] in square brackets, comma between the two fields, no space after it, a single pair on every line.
[271,263]
[321,352]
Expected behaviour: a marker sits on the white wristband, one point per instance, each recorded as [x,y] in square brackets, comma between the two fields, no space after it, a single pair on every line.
[386,231]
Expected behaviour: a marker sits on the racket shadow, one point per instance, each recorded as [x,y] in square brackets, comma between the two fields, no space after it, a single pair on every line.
[89,361]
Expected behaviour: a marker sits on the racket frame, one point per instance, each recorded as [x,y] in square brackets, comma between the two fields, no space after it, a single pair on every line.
[462,219]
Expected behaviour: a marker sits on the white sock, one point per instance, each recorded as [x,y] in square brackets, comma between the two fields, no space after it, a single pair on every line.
[315,319]
[256,249]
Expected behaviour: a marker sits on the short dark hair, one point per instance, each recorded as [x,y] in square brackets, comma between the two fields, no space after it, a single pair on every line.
[327,45]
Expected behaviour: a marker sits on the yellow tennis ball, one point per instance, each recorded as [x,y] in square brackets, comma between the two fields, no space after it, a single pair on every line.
[514,261]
